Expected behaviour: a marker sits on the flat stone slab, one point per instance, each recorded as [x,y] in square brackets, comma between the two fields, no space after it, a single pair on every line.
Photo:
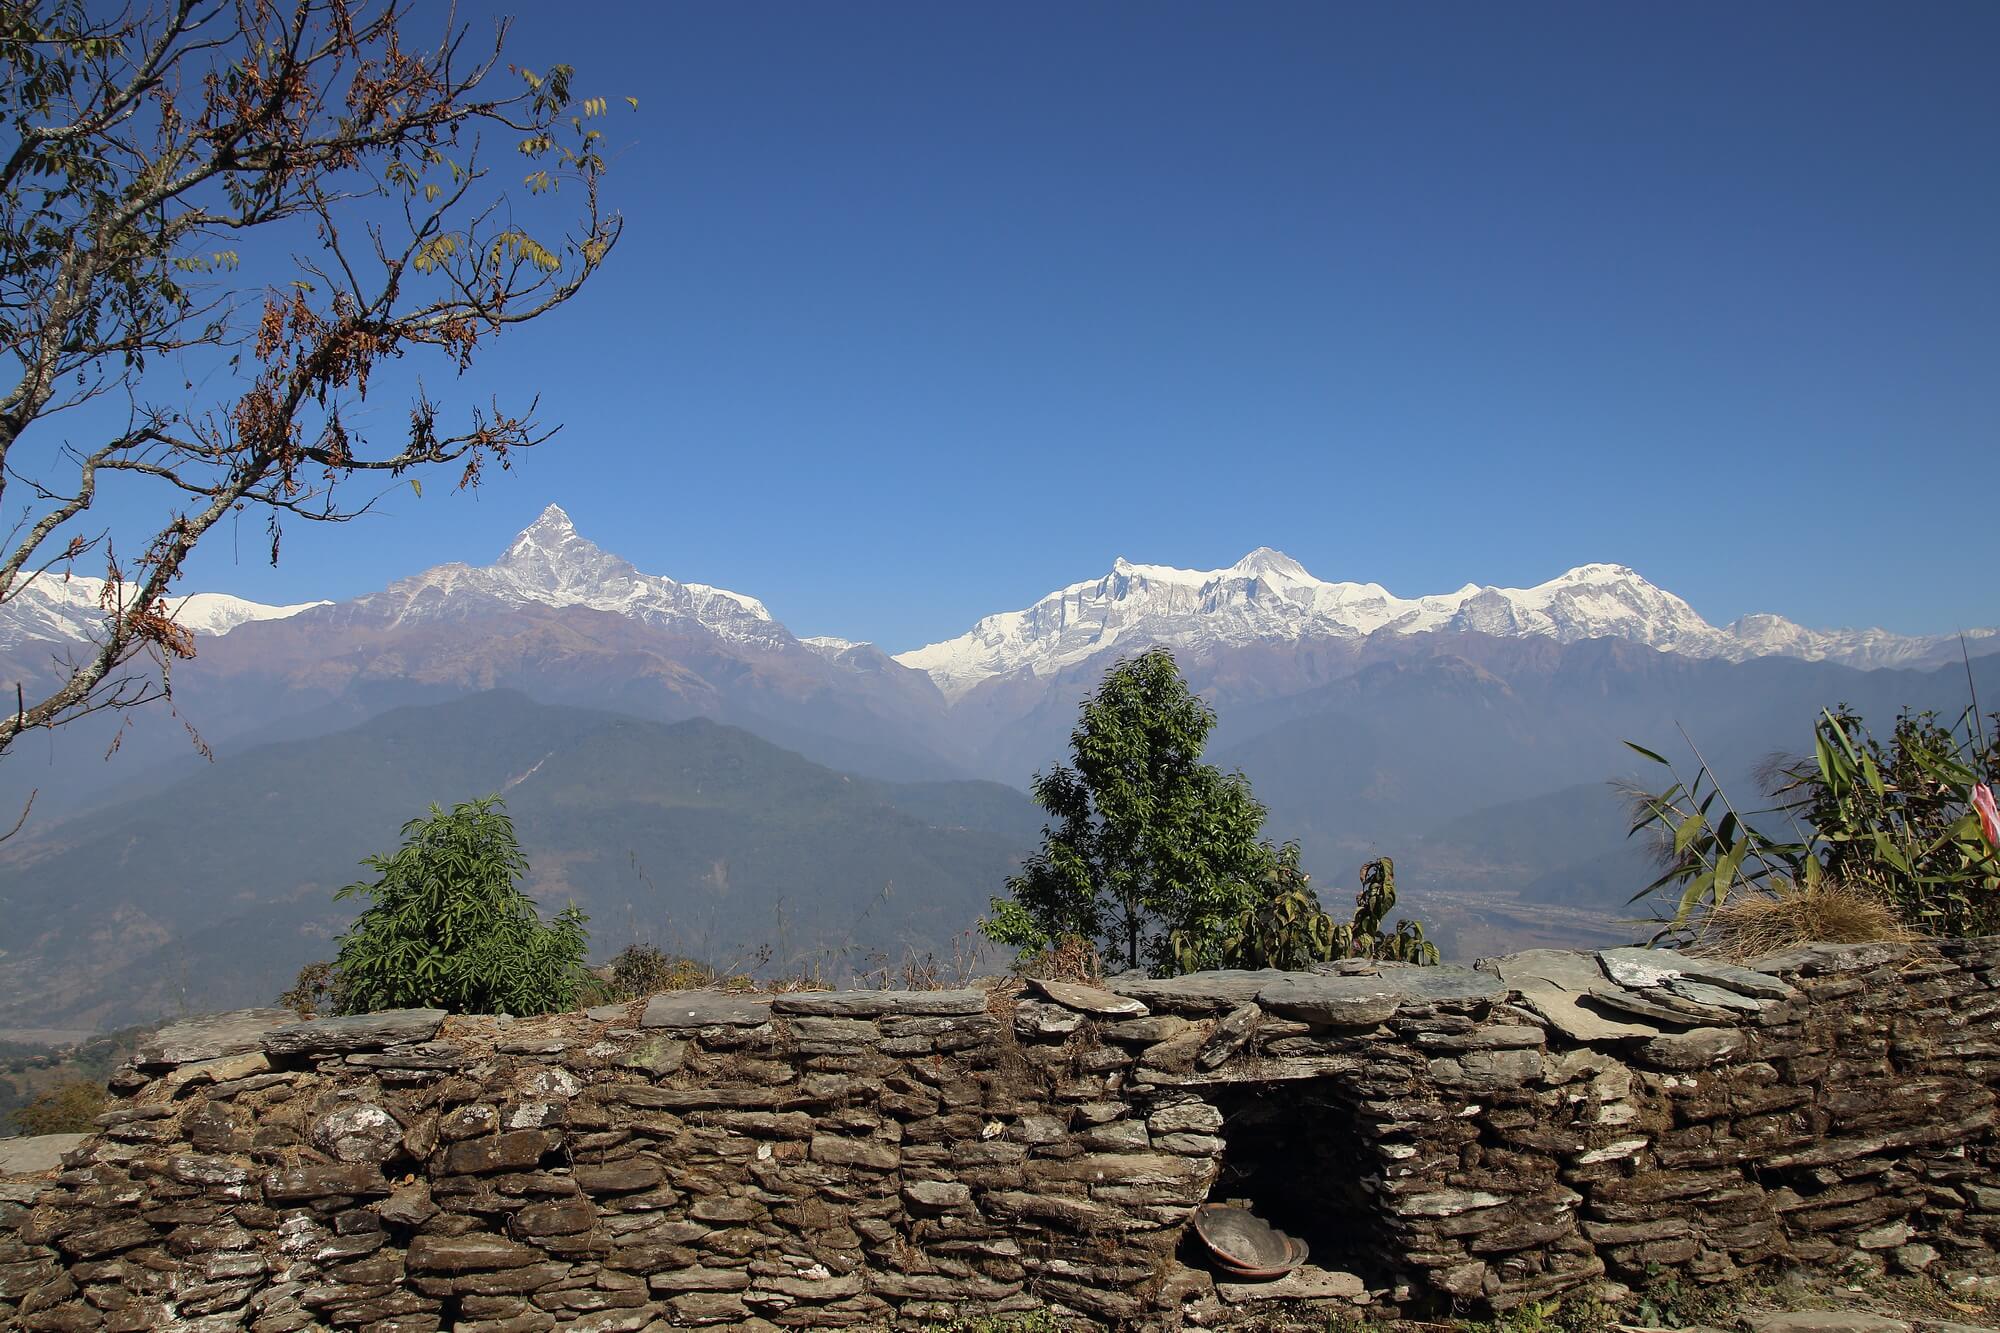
[706,1009]
[1362,1000]
[220,1070]
[1819,959]
[210,1037]
[1662,1006]
[1090,999]
[36,1153]
[356,1032]
[1825,1321]
[1553,983]
[1302,1284]
[1699,981]
[877,1003]
[1197,992]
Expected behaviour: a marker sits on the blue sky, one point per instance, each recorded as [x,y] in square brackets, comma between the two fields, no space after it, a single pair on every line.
[925,309]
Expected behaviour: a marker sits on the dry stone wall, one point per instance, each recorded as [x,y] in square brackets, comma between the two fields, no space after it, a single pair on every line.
[1443,1138]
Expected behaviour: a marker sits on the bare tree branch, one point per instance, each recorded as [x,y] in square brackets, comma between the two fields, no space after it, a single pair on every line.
[146,140]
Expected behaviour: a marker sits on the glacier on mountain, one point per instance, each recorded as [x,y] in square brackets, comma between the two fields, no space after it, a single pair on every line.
[1267,596]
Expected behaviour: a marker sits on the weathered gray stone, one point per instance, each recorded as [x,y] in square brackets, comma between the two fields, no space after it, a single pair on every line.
[1554,983]
[460,1254]
[936,1195]
[1361,1001]
[869,1154]
[1304,1284]
[1708,982]
[692,1009]
[1661,1007]
[1197,992]
[1228,1036]
[1090,999]
[1825,1321]
[877,1003]
[1186,1118]
[315,1180]
[358,1133]
[37,1153]
[656,1055]
[210,1037]
[355,1032]
[1694,1049]
[223,1069]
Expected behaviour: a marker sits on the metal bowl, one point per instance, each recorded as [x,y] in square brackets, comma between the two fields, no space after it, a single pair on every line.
[1245,1243]
[1298,1255]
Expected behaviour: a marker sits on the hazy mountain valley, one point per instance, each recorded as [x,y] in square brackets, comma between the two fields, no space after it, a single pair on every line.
[695,776]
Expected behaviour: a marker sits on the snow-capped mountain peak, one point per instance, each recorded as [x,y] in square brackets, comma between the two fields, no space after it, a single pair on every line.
[550,563]
[1275,564]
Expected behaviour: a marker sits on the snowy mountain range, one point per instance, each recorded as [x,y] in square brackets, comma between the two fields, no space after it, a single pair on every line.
[56,609]
[1267,597]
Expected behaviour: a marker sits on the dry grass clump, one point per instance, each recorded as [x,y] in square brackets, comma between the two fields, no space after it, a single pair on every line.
[1071,958]
[1753,924]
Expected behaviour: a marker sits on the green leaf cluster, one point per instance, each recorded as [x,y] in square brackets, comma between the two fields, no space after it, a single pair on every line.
[1895,819]
[1284,925]
[447,926]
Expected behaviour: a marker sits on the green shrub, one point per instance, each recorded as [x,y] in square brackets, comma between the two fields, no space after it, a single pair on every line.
[1286,927]
[447,927]
[1899,822]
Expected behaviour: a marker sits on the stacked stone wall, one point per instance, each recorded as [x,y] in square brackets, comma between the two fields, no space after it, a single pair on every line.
[1480,1138]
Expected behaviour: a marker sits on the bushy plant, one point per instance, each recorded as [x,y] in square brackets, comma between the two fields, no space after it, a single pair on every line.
[1285,926]
[641,969]
[1909,822]
[317,987]
[447,927]
[68,1108]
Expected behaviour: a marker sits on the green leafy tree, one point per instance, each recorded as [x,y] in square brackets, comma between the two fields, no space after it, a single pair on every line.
[1148,851]
[447,926]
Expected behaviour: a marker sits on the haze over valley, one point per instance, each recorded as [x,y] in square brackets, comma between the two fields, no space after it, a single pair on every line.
[694,775]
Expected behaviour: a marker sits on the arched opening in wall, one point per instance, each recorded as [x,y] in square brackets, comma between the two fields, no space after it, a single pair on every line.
[1293,1154]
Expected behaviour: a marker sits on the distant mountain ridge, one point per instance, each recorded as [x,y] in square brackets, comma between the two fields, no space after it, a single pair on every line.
[1369,725]
[1266,597]
[68,609]
[1269,597]
[211,893]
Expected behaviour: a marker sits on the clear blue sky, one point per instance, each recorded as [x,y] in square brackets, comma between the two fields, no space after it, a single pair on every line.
[925,309]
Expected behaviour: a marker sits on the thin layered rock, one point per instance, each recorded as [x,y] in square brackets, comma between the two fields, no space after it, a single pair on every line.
[872,1159]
